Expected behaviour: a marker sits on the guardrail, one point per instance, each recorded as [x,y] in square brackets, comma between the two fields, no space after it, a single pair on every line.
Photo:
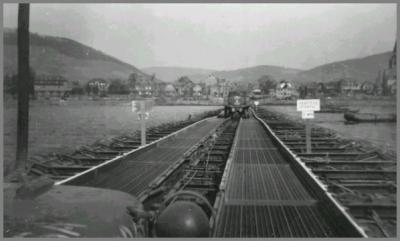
[221,194]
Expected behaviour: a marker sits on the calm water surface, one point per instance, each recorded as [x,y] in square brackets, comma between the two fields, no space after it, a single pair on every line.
[379,134]
[63,128]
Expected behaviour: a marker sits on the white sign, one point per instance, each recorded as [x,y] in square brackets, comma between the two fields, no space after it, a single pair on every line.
[148,105]
[237,98]
[307,114]
[308,105]
[135,106]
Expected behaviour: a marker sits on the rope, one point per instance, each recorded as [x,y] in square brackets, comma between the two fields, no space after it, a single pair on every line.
[208,158]
[190,179]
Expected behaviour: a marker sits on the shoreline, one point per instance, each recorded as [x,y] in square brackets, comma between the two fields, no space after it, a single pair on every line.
[13,102]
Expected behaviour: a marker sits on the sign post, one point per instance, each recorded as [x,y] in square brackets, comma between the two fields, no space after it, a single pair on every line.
[142,123]
[307,108]
[256,104]
[142,107]
[308,136]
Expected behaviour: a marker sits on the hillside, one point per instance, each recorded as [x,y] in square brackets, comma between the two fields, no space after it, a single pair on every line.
[75,61]
[170,74]
[247,75]
[362,69]
[63,56]
[244,75]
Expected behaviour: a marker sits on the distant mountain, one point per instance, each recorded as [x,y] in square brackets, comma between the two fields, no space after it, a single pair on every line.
[362,69]
[252,74]
[75,61]
[63,56]
[244,75]
[170,74]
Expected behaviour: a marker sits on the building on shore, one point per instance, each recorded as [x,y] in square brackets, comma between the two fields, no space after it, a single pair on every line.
[184,87]
[169,90]
[392,72]
[256,92]
[197,91]
[50,86]
[331,88]
[145,86]
[392,86]
[368,88]
[98,87]
[285,90]
[218,87]
[350,86]
[338,87]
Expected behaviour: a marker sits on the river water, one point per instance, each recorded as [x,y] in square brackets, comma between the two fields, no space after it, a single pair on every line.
[382,135]
[63,128]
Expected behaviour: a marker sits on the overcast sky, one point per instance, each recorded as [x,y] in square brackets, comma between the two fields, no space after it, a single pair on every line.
[220,36]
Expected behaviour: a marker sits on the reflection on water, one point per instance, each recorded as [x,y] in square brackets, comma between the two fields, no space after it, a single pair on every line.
[380,134]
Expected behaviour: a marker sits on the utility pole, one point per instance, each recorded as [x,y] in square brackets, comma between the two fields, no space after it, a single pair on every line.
[23,86]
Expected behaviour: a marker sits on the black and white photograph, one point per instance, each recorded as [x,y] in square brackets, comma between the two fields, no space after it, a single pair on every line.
[203,120]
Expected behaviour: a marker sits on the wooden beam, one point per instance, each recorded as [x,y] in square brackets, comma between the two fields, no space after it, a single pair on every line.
[23,86]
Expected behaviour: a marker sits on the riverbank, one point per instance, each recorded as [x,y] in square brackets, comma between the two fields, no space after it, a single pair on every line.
[111,101]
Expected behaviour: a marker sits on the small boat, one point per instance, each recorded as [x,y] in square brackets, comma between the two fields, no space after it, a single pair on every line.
[336,109]
[57,101]
[346,122]
[369,117]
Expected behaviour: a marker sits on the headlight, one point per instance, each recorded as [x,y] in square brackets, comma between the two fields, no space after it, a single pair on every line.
[233,109]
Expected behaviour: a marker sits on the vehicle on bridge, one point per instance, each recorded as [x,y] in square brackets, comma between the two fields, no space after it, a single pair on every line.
[41,210]
[237,104]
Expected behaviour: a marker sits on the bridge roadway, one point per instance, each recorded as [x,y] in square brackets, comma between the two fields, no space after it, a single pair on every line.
[263,196]
[134,173]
